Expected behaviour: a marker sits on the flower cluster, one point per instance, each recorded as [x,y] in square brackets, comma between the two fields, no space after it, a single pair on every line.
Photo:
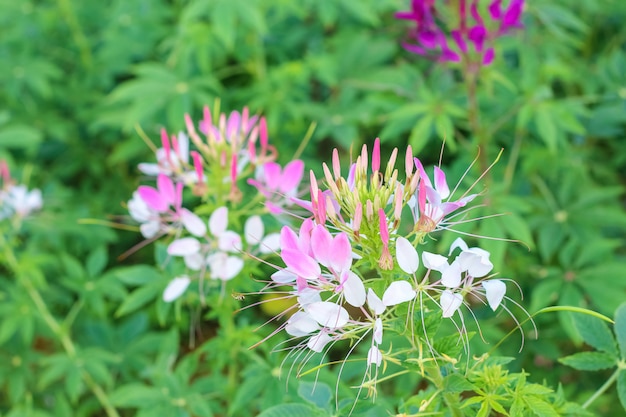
[15,199]
[352,269]
[471,35]
[229,158]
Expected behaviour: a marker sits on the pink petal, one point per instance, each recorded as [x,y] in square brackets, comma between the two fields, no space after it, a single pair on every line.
[166,188]
[301,264]
[288,239]
[340,253]
[291,177]
[272,175]
[321,245]
[152,198]
[441,184]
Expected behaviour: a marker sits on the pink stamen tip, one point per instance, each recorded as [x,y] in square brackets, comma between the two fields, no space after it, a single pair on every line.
[197,164]
[408,161]
[189,124]
[233,169]
[263,135]
[165,141]
[336,164]
[376,156]
[384,232]
[175,146]
[208,122]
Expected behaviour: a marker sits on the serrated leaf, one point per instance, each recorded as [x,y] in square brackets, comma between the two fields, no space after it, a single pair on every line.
[293,410]
[589,361]
[457,383]
[540,407]
[595,333]
[620,329]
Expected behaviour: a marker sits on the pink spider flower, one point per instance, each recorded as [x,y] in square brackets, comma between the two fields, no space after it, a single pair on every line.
[278,185]
[429,36]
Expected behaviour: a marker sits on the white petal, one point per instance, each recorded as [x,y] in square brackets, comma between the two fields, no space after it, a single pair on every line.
[301,324]
[494,291]
[224,267]
[193,223]
[408,258]
[218,221]
[184,246]
[195,261]
[398,292]
[378,331]
[270,243]
[253,230]
[458,243]
[318,342]
[476,262]
[354,290]
[229,241]
[149,169]
[328,314]
[374,303]
[451,276]
[150,229]
[450,302]
[283,276]
[175,288]
[434,261]
[374,357]
[308,296]
[233,267]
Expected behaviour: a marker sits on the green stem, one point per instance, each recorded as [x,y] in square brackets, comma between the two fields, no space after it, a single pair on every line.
[56,328]
[603,388]
[474,119]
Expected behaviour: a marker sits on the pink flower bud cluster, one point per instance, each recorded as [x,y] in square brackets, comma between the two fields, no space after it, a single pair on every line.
[216,160]
[461,31]
[350,265]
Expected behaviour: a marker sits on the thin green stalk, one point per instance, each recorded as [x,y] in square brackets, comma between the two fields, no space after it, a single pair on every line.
[56,328]
[474,119]
[603,388]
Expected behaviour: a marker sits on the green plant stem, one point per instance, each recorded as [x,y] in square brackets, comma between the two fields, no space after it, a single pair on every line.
[474,119]
[56,328]
[603,388]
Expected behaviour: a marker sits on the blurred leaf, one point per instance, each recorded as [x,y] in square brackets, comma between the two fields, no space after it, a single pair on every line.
[595,333]
[293,410]
[139,298]
[589,361]
[621,387]
[620,329]
[317,393]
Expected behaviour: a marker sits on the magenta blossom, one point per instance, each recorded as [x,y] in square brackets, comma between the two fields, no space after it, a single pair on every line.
[278,185]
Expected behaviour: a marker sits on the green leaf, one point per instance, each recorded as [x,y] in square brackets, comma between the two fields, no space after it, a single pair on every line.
[595,333]
[293,410]
[138,298]
[20,137]
[457,383]
[546,126]
[317,393]
[589,361]
[540,407]
[96,261]
[135,395]
[137,274]
[620,329]
[621,387]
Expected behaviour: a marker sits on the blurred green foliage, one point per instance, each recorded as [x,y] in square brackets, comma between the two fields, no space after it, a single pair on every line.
[79,78]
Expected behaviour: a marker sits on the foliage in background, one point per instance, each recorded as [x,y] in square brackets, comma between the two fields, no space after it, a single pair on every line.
[80,78]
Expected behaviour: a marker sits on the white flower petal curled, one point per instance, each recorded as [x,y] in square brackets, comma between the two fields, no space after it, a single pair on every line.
[398,292]
[408,259]
[328,314]
[494,291]
[374,303]
[301,324]
[176,288]
[434,261]
[318,342]
[451,276]
[374,357]
[270,243]
[450,303]
[218,221]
